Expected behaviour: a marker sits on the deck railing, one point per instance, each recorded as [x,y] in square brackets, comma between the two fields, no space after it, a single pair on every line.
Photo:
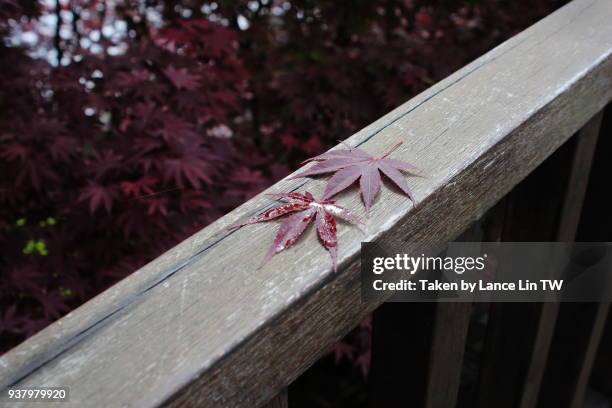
[202,326]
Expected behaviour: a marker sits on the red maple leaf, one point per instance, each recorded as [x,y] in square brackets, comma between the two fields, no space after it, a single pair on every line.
[104,162]
[174,127]
[216,39]
[14,152]
[364,362]
[423,18]
[157,205]
[188,169]
[304,208]
[131,79]
[245,175]
[352,164]
[10,321]
[312,145]
[289,140]
[61,148]
[53,304]
[24,278]
[193,200]
[31,326]
[181,78]
[97,196]
[343,350]
[141,187]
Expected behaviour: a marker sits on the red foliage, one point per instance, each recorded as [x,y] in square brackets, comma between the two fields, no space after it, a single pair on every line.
[350,165]
[116,143]
[107,162]
[301,210]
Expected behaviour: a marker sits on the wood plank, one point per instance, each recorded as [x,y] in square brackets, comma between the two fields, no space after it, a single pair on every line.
[201,325]
[448,342]
[450,333]
[590,351]
[546,314]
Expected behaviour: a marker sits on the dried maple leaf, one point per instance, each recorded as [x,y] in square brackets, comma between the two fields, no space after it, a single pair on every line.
[352,164]
[304,208]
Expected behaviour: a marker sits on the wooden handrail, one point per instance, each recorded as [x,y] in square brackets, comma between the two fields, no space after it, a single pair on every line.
[203,325]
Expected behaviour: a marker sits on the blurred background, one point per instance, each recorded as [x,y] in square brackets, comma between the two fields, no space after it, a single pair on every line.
[126,126]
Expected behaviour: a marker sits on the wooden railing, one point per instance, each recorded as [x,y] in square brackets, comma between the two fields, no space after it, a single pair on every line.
[203,326]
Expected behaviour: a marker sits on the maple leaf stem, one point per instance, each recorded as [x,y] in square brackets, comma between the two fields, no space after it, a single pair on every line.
[394,148]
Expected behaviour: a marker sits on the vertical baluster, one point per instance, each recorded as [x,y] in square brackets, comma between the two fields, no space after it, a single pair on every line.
[579,179]
[280,401]
[418,351]
[447,351]
[576,340]
[418,354]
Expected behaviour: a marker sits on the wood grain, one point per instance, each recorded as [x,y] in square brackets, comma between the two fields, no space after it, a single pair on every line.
[202,325]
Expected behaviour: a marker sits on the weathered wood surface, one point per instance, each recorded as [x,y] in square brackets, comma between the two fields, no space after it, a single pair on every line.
[202,325]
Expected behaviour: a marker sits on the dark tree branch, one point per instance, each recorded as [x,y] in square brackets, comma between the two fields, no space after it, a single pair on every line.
[57,40]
